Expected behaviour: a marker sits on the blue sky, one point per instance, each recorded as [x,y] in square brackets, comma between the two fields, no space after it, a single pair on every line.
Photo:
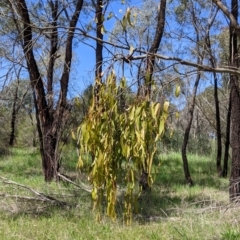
[84,67]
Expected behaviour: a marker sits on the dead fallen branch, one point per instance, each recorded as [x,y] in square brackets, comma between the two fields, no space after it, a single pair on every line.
[82,186]
[41,196]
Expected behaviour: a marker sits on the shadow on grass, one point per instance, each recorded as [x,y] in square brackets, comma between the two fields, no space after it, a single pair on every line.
[202,170]
[70,205]
[170,193]
[162,202]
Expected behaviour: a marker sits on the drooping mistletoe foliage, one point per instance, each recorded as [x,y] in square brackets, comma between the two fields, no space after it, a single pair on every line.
[121,142]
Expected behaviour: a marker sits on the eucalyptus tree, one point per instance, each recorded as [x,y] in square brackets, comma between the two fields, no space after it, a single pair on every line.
[18,97]
[43,29]
[234,189]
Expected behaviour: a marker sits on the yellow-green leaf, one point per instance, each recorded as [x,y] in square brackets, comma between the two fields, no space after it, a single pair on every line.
[161,127]
[177,91]
[147,77]
[131,50]
[80,162]
[132,113]
[110,15]
[103,30]
[94,194]
[73,135]
[177,115]
[129,17]
[124,23]
[123,82]
[165,106]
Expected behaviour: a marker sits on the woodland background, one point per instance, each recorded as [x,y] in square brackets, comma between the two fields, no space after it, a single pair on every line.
[116,88]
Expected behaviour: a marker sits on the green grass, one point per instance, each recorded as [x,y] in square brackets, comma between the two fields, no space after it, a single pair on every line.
[171,210]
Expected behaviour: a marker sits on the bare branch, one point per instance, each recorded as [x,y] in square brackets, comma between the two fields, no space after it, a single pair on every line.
[43,196]
[229,15]
[82,186]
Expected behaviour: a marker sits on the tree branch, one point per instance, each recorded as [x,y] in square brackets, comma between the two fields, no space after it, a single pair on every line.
[41,195]
[229,15]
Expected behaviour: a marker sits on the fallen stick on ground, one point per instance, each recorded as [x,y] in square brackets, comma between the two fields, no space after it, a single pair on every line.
[39,194]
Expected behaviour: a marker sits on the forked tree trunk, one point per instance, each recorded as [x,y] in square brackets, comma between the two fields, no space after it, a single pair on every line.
[49,120]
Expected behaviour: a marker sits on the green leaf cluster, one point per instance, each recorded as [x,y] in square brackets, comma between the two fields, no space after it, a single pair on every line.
[121,143]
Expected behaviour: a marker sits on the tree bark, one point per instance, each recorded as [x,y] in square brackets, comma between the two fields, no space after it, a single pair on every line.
[218,126]
[227,141]
[99,45]
[13,118]
[234,189]
[154,48]
[99,50]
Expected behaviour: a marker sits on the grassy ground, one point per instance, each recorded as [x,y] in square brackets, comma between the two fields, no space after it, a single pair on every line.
[170,211]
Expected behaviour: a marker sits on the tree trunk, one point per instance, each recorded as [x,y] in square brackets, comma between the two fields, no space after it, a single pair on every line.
[99,46]
[49,121]
[227,142]
[234,189]
[149,73]
[154,48]
[50,163]
[13,118]
[218,122]
[99,51]
[187,133]
[192,105]
[218,126]
[15,110]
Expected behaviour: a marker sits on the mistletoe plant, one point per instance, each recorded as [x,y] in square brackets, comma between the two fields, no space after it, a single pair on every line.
[121,142]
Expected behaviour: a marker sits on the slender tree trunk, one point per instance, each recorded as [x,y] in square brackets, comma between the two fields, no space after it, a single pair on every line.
[149,73]
[99,50]
[227,142]
[13,118]
[234,189]
[218,122]
[99,46]
[192,106]
[218,126]
[154,48]
[15,110]
[187,133]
